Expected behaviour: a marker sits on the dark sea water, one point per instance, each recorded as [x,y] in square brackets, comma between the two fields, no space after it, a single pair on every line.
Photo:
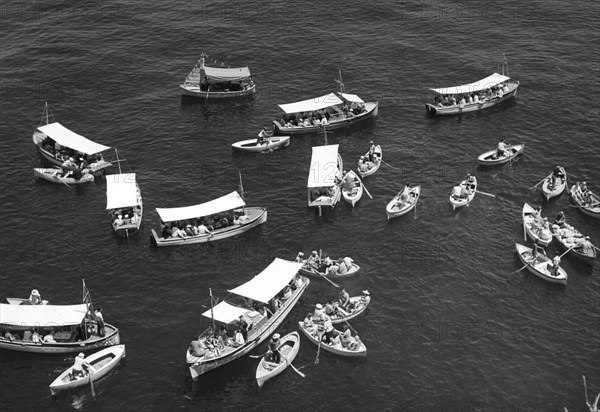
[448,329]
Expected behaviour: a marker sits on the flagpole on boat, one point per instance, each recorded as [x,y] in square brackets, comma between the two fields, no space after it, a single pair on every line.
[242,190]
[212,316]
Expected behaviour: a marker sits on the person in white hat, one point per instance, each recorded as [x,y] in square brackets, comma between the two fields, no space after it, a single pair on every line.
[314,260]
[35,298]
[274,348]
[319,316]
[362,165]
[78,367]
[299,257]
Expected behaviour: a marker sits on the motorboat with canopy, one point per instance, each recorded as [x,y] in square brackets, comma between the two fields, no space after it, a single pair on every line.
[228,216]
[124,203]
[475,96]
[45,328]
[324,177]
[217,82]
[278,282]
[65,148]
[332,111]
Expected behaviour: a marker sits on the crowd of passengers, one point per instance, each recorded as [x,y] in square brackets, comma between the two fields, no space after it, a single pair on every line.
[73,158]
[321,117]
[212,342]
[462,99]
[127,216]
[202,226]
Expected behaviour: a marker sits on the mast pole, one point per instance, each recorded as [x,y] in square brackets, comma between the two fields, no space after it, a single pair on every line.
[212,315]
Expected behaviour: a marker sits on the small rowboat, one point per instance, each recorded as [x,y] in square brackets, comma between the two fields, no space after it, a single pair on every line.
[101,363]
[374,166]
[55,176]
[492,159]
[357,303]
[464,201]
[308,270]
[591,206]
[352,189]
[551,189]
[540,265]
[252,145]
[535,226]
[290,344]
[315,335]
[397,207]
[572,238]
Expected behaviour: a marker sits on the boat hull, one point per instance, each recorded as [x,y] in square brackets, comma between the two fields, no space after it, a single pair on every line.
[528,214]
[194,91]
[102,362]
[54,175]
[335,122]
[203,366]
[461,202]
[352,196]
[379,158]
[392,209]
[341,351]
[487,158]
[361,306]
[577,198]
[289,347]
[252,145]
[549,193]
[112,338]
[540,266]
[258,216]
[472,107]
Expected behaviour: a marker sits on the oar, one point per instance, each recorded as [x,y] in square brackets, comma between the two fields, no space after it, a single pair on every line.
[319,348]
[365,189]
[385,163]
[485,193]
[541,181]
[257,356]
[350,326]
[91,382]
[294,368]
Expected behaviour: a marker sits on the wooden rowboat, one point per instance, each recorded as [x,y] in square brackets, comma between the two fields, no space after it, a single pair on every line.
[290,344]
[490,158]
[535,226]
[352,189]
[552,190]
[464,201]
[252,145]
[100,362]
[309,270]
[591,206]
[568,237]
[397,207]
[540,265]
[357,303]
[315,336]
[55,175]
[374,166]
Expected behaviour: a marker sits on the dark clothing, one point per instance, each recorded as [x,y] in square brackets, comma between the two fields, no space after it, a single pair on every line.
[274,348]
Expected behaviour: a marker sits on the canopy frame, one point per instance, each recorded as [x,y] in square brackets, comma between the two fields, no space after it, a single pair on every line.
[483,84]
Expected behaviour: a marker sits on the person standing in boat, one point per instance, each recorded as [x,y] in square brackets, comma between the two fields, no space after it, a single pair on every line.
[274,348]
[80,367]
[100,321]
[502,149]
[555,264]
[344,299]
[35,298]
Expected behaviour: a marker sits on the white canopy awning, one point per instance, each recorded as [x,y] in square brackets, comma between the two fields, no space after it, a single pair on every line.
[323,166]
[482,84]
[268,283]
[121,191]
[227,202]
[225,312]
[42,315]
[227,74]
[72,140]
[318,103]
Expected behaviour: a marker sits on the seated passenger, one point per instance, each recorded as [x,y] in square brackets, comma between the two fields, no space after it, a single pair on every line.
[197,347]
[356,344]
[238,338]
[287,293]
[126,220]
[166,232]
[49,338]
[119,220]
[346,337]
[308,322]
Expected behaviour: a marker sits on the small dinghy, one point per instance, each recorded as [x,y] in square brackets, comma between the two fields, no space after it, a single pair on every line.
[470,184]
[254,146]
[403,202]
[370,167]
[100,363]
[535,226]
[290,344]
[585,200]
[555,183]
[540,265]
[491,158]
[358,304]
[356,348]
[56,176]
[352,189]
